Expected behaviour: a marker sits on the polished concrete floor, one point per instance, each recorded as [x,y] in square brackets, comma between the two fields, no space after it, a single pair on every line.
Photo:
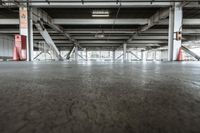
[100,97]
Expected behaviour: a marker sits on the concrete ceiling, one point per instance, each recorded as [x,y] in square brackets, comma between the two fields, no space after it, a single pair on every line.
[75,17]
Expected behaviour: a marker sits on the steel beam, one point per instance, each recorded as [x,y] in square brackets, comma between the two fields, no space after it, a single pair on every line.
[116,32]
[155,37]
[190,53]
[48,40]
[100,21]
[114,42]
[134,55]
[147,22]
[153,20]
[99,3]
[70,52]
[41,15]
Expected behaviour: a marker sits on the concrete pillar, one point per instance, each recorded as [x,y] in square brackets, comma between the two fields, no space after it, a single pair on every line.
[127,56]
[175,25]
[155,55]
[76,53]
[86,55]
[113,55]
[171,34]
[26,29]
[30,34]
[124,52]
[100,55]
[142,55]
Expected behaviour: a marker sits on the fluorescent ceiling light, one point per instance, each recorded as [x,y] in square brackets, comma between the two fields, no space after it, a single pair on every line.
[100,13]
[99,36]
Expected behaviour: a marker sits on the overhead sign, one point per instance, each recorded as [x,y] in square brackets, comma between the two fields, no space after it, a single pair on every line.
[23,17]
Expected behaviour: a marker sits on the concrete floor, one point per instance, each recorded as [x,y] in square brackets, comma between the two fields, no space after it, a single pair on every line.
[99,98]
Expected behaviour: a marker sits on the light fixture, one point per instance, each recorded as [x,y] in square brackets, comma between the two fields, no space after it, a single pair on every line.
[100,16]
[100,13]
[99,35]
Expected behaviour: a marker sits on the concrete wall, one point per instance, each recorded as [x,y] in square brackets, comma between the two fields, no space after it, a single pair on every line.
[6,46]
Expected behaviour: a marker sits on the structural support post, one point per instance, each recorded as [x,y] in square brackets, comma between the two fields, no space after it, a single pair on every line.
[142,55]
[26,29]
[178,21]
[86,54]
[30,34]
[155,55]
[124,52]
[171,34]
[76,53]
[113,55]
[175,25]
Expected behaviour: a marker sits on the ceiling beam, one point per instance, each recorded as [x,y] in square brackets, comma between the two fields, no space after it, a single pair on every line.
[190,21]
[55,37]
[115,42]
[107,45]
[42,16]
[77,32]
[153,20]
[93,21]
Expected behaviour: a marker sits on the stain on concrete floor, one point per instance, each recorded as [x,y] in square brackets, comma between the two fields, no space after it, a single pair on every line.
[57,97]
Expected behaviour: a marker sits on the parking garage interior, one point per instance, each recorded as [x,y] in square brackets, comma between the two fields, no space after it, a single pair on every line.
[99,66]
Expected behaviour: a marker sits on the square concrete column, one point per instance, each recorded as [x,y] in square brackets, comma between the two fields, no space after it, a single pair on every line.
[124,52]
[142,55]
[76,53]
[113,52]
[175,25]
[155,55]
[26,29]
[86,54]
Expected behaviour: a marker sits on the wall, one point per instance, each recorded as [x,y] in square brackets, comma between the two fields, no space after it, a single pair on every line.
[6,46]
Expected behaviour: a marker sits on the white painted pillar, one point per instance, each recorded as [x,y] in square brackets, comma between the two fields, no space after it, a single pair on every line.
[26,29]
[76,53]
[175,25]
[178,22]
[124,52]
[30,34]
[155,55]
[171,34]
[86,55]
[142,55]
[113,55]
